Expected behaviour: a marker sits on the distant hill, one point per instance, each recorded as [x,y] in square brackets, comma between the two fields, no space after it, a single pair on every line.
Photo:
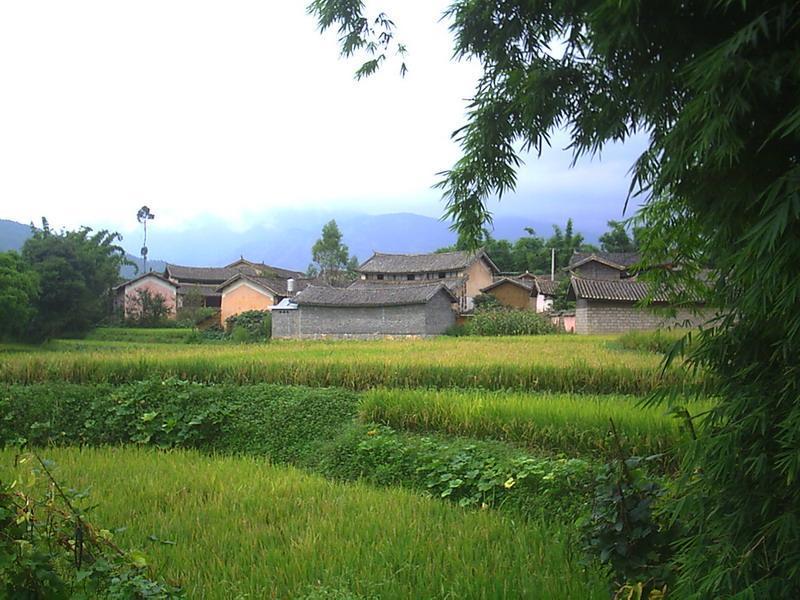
[287,239]
[13,235]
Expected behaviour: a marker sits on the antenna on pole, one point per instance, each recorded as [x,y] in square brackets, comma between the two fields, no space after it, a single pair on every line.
[143,216]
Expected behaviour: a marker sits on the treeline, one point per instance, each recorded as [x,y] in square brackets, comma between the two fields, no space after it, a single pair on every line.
[59,284]
[533,252]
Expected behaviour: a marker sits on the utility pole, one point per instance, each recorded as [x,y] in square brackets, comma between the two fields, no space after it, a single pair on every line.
[552,264]
[143,216]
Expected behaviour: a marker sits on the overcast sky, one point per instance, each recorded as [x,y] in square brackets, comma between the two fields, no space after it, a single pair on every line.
[231,110]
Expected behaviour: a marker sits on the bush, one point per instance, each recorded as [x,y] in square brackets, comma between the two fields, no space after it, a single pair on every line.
[509,321]
[456,330]
[280,422]
[473,474]
[256,323]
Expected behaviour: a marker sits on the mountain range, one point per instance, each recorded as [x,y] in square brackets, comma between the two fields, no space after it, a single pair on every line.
[287,240]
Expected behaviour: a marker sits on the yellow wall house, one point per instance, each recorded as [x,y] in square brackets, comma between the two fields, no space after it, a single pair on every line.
[513,292]
[242,292]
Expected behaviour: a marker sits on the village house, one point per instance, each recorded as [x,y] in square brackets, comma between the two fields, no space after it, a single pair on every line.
[606,290]
[237,287]
[127,295]
[365,312]
[525,291]
[463,273]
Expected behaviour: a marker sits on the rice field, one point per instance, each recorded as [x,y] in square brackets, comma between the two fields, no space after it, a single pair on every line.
[556,423]
[241,528]
[560,363]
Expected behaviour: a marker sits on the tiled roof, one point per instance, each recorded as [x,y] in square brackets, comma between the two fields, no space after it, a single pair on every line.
[525,284]
[387,295]
[221,274]
[619,259]
[621,290]
[142,276]
[423,263]
[277,286]
[546,287]
[454,284]
[204,289]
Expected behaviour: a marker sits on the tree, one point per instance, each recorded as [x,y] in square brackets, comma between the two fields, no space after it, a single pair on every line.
[715,87]
[19,289]
[147,309]
[76,271]
[616,239]
[332,260]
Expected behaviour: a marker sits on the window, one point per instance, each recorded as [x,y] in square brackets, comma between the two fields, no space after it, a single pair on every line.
[410,277]
[442,275]
[380,276]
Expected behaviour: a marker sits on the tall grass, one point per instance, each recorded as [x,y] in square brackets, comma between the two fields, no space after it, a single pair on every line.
[560,423]
[167,335]
[555,363]
[242,528]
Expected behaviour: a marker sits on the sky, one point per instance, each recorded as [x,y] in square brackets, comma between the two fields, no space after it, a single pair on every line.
[235,112]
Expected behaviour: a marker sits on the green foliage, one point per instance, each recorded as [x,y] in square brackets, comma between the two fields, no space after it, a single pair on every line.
[616,239]
[715,87]
[144,335]
[19,289]
[486,301]
[280,422]
[332,260]
[625,530]
[50,550]
[76,271]
[472,474]
[147,309]
[251,325]
[560,301]
[456,330]
[509,321]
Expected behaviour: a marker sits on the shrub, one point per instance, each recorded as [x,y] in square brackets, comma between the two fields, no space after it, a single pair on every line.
[456,330]
[257,324]
[509,321]
[473,474]
[241,335]
[147,309]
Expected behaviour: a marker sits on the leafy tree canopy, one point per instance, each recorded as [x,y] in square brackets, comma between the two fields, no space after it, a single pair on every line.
[714,85]
[332,260]
[616,239]
[19,289]
[76,270]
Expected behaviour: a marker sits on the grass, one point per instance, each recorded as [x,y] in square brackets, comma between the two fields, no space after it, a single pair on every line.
[584,364]
[243,528]
[166,335]
[557,423]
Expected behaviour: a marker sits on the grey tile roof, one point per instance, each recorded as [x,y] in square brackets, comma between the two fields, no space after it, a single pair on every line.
[621,290]
[547,287]
[525,284]
[621,259]
[219,275]
[142,276]
[207,290]
[454,284]
[423,263]
[388,295]
[277,286]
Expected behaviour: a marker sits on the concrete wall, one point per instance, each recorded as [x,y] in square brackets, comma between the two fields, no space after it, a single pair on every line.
[543,303]
[513,295]
[597,270]
[243,296]
[595,316]
[156,287]
[364,322]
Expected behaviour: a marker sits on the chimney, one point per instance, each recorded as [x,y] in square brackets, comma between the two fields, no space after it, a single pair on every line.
[290,286]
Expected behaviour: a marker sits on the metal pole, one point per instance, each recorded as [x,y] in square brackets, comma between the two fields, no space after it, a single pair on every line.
[552,264]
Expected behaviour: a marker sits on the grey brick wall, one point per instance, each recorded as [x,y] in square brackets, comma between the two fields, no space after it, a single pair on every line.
[594,316]
[439,314]
[364,322]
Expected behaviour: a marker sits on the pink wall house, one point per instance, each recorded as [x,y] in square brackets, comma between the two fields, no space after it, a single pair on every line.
[127,293]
